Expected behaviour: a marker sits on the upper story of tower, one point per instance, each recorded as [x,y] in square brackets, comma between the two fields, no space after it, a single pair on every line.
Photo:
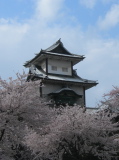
[55,60]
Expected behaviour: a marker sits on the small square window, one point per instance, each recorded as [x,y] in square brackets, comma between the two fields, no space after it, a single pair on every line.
[64,69]
[54,68]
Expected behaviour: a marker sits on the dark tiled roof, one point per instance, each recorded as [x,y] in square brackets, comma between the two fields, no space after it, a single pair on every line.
[40,74]
[57,49]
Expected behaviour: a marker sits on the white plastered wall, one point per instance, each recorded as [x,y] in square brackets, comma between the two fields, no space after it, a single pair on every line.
[59,64]
[77,89]
[48,88]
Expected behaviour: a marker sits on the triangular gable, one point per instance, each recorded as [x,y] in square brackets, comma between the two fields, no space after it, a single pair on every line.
[58,47]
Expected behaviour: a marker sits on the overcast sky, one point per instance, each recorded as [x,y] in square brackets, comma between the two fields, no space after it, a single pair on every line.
[86,27]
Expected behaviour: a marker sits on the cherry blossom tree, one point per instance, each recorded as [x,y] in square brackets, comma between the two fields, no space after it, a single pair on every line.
[29,129]
[75,135]
[20,106]
[111,99]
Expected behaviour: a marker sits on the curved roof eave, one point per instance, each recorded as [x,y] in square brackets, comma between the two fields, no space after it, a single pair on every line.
[75,57]
[65,89]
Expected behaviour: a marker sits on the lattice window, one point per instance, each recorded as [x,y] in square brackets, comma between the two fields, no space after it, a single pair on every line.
[64,69]
[54,68]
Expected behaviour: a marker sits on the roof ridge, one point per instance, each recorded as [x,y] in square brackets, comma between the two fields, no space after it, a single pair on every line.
[53,45]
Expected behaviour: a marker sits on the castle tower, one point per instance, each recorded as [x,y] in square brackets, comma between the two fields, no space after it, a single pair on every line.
[54,67]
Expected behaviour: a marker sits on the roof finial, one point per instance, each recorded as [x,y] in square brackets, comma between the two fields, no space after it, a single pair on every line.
[59,40]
